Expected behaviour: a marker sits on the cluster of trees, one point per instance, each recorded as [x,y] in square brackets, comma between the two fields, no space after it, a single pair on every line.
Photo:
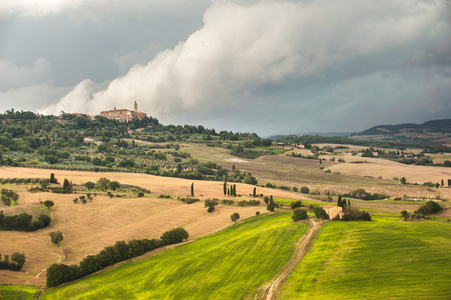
[363,195]
[16,263]
[104,184]
[23,222]
[354,214]
[431,207]
[251,202]
[8,197]
[60,273]
[271,205]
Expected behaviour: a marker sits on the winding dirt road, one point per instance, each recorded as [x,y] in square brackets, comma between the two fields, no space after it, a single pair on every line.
[273,289]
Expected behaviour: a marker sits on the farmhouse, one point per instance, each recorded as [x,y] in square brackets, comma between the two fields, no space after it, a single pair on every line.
[123,115]
[333,211]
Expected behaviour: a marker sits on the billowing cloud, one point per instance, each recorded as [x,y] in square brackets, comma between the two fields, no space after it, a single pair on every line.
[13,76]
[32,97]
[249,51]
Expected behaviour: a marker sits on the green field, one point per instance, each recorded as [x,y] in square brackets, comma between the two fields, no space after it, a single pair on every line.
[231,264]
[382,259]
[17,292]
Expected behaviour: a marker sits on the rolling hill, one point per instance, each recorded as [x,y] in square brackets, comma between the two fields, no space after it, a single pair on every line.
[430,132]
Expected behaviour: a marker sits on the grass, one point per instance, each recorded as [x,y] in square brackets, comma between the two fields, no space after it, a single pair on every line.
[231,264]
[17,292]
[382,259]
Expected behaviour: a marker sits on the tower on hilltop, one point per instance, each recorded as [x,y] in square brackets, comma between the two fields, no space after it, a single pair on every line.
[136,106]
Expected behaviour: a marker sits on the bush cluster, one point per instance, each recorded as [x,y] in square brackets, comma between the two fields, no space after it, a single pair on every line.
[9,196]
[60,273]
[16,263]
[189,200]
[430,207]
[23,222]
[248,203]
[354,214]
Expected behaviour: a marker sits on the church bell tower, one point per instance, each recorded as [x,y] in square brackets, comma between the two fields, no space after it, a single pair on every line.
[136,106]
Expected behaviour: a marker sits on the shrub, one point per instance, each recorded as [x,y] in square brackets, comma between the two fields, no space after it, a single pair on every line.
[189,200]
[305,190]
[320,213]
[234,217]
[296,204]
[299,214]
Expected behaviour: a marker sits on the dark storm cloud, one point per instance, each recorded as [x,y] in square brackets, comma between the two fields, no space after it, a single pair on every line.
[280,66]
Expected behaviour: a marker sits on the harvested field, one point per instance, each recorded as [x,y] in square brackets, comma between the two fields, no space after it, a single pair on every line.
[88,228]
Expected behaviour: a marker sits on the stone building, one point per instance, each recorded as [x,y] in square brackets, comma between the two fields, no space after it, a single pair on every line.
[333,211]
[123,115]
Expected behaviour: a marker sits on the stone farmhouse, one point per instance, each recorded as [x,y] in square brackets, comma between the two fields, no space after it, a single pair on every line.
[333,211]
[123,115]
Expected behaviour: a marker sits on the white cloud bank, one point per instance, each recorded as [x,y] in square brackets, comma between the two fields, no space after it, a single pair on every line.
[242,49]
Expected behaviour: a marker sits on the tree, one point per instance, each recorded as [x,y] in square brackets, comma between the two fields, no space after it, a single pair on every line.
[299,214]
[174,236]
[210,204]
[339,201]
[90,185]
[296,204]
[403,180]
[66,252]
[103,183]
[114,185]
[48,203]
[234,217]
[66,184]
[19,259]
[271,205]
[443,183]
[254,193]
[250,179]
[53,179]
[225,186]
[320,213]
[305,190]
[192,189]
[56,237]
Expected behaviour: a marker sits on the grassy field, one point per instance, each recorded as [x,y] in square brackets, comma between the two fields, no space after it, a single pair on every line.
[382,259]
[17,292]
[231,264]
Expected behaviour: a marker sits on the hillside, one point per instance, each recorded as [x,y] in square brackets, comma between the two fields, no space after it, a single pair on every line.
[430,132]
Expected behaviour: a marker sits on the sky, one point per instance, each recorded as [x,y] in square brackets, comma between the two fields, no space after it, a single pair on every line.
[270,66]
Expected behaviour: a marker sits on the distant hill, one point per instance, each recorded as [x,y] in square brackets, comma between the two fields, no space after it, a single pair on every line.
[430,132]
[326,134]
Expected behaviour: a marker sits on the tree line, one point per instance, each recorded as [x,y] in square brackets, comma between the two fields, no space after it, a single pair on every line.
[59,273]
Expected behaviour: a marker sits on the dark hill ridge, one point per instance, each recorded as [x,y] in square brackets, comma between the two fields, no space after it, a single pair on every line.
[430,132]
[435,125]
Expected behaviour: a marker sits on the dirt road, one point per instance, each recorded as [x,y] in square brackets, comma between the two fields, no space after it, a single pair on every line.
[273,289]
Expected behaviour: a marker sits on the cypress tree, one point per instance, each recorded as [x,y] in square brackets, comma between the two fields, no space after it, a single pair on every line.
[228,191]
[192,189]
[255,191]
[443,183]
[449,182]
[225,185]
[339,201]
